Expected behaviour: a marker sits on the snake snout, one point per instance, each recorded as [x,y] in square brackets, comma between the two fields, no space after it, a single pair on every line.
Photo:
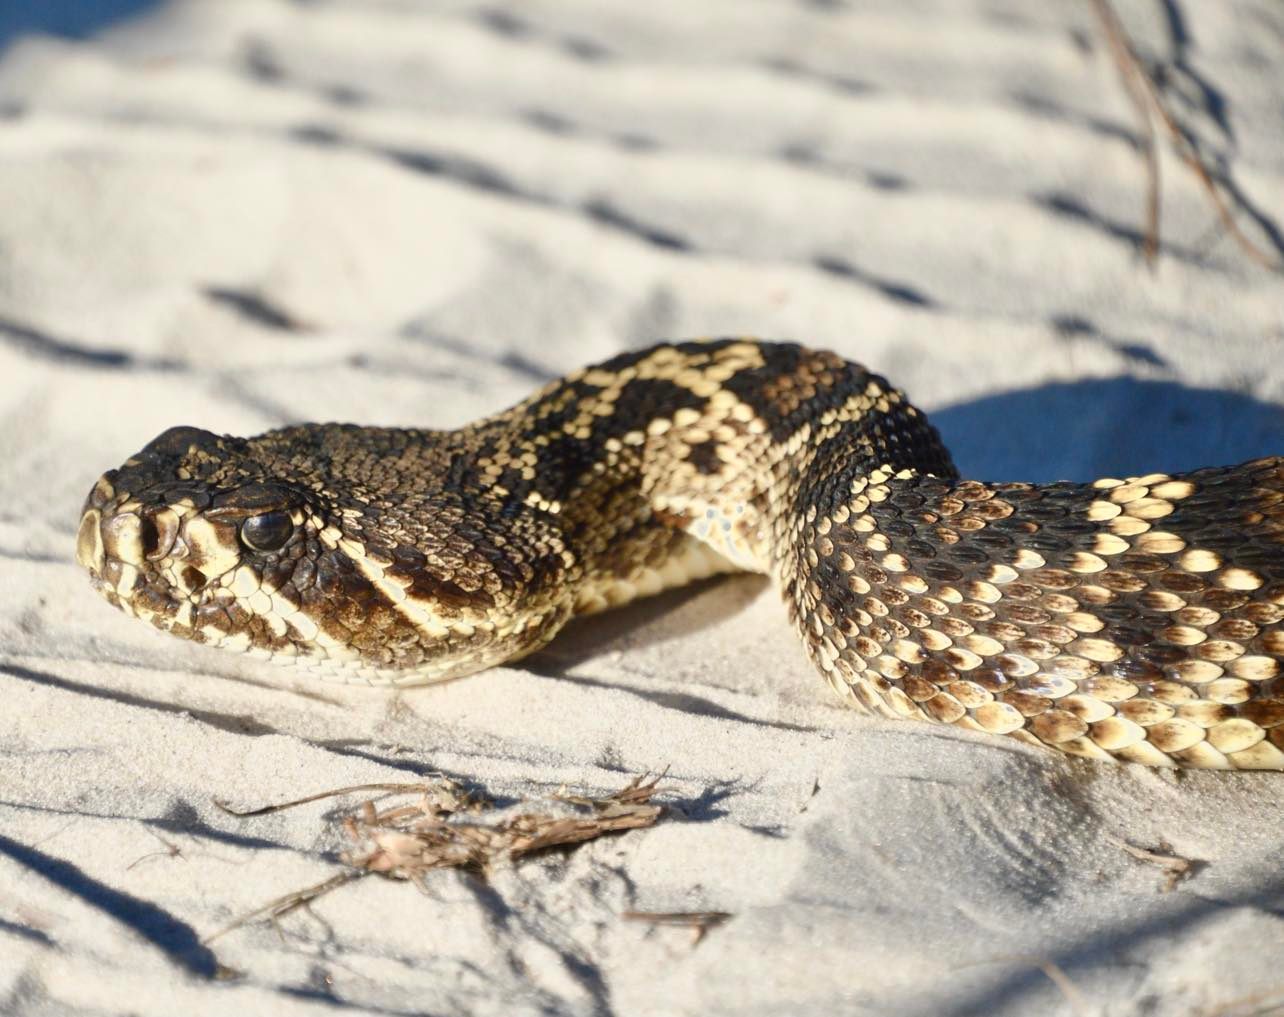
[122,537]
[110,546]
[89,541]
[114,542]
[129,537]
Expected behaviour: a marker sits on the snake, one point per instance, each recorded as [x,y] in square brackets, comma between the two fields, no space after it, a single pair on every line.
[1134,619]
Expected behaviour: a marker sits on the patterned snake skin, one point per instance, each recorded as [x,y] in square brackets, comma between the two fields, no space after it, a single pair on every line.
[1137,619]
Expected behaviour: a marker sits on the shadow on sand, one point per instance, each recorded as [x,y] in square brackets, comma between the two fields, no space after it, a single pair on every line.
[1115,427]
[76,19]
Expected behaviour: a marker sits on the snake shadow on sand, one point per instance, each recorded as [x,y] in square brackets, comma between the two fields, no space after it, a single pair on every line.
[1082,430]
[1113,427]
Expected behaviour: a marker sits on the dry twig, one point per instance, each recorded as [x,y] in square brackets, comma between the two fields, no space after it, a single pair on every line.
[1149,102]
[1256,1004]
[1175,867]
[1055,974]
[699,922]
[171,850]
[286,903]
[443,787]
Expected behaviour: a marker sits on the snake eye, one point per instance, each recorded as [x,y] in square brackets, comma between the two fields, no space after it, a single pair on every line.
[267,532]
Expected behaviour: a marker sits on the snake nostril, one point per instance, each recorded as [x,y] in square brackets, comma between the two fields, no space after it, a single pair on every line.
[160,535]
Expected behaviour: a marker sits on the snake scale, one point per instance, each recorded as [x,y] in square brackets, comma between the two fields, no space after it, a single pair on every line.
[1137,619]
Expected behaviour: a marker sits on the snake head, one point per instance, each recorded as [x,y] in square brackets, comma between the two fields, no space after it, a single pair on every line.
[251,544]
[188,531]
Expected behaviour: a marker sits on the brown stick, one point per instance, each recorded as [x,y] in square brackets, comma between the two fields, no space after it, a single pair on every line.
[1129,73]
[264,810]
[1146,97]
[699,922]
[290,902]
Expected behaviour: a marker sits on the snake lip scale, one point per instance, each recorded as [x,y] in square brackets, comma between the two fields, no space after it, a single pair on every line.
[1136,619]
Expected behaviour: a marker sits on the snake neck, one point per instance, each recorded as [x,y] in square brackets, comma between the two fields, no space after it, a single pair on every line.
[789,437]
[710,457]
[665,465]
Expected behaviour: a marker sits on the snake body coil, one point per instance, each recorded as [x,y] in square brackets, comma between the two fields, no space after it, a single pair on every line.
[1134,618]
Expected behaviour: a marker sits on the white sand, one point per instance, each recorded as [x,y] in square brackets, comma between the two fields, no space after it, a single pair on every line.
[454,205]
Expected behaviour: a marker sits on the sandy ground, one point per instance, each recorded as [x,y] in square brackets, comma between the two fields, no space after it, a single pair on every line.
[237,214]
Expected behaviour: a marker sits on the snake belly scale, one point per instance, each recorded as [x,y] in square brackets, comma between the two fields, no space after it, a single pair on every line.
[1138,619]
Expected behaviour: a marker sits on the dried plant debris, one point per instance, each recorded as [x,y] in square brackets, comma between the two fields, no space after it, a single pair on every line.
[451,827]
[283,905]
[408,841]
[1055,974]
[699,922]
[1267,1003]
[447,792]
[1145,94]
[1174,867]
